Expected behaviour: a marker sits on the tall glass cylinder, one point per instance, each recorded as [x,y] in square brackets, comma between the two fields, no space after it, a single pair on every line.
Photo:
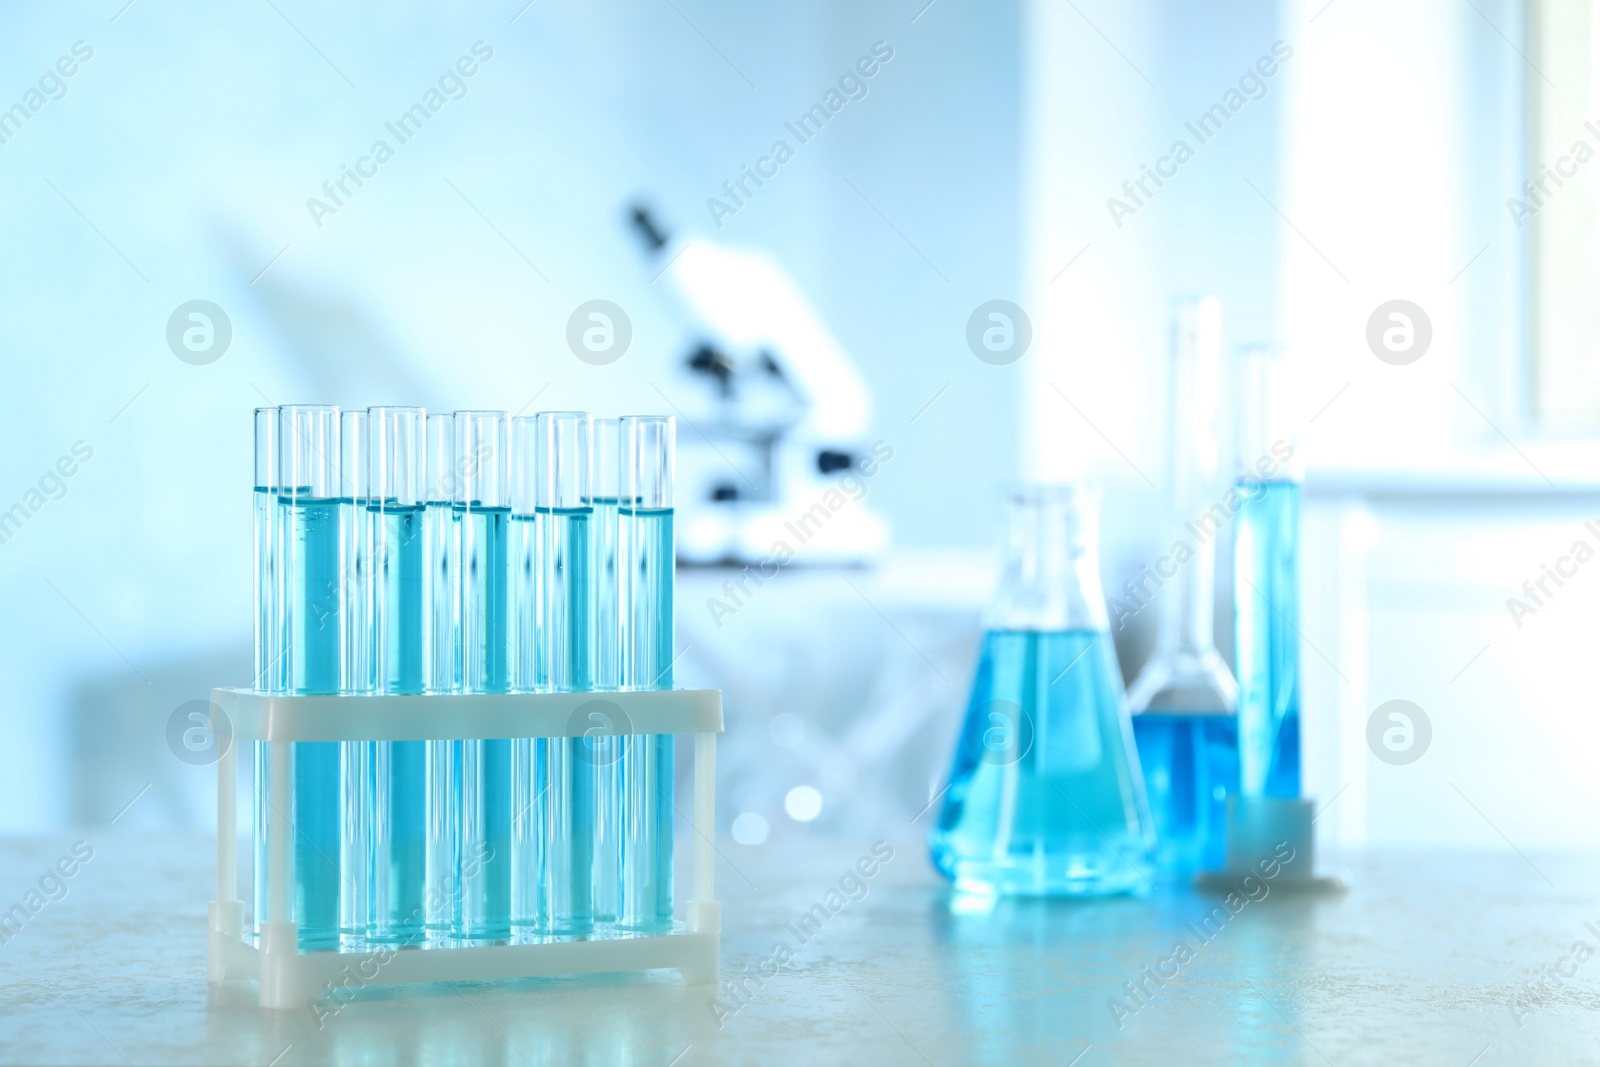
[308,517]
[1184,697]
[395,519]
[564,440]
[528,675]
[483,521]
[443,672]
[355,676]
[1267,581]
[268,638]
[645,554]
[605,750]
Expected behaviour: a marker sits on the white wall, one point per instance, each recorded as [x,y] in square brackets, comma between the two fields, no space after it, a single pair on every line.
[187,148]
[1112,86]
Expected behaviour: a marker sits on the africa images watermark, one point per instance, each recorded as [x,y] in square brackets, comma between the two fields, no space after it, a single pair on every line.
[52,485]
[1537,190]
[1534,993]
[452,85]
[1208,524]
[1153,978]
[851,886]
[1538,591]
[851,488]
[51,887]
[852,86]
[52,85]
[1252,85]
[363,969]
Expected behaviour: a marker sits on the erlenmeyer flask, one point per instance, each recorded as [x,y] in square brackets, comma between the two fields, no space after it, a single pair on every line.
[1045,795]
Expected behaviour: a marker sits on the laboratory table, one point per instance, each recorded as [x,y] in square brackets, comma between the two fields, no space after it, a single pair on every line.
[1427,958]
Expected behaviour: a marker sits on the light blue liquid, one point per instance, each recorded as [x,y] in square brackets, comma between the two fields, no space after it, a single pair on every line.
[606,751]
[1267,591]
[355,757]
[569,804]
[269,675]
[443,674]
[310,544]
[528,675]
[1191,767]
[485,772]
[645,553]
[1045,796]
[399,658]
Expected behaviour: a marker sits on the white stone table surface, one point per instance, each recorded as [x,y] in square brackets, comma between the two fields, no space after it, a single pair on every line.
[1428,958]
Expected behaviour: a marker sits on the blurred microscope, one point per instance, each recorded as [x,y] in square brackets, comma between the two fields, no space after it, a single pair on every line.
[780,416]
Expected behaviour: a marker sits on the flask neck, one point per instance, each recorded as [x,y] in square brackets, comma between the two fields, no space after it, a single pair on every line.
[1050,563]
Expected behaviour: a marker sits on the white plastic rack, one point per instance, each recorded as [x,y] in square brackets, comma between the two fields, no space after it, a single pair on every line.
[289,978]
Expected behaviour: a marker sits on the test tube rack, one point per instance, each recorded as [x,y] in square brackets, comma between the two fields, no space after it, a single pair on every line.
[290,978]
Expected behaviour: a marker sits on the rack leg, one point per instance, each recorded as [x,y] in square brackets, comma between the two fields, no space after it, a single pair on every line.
[705,966]
[226,917]
[703,911]
[280,936]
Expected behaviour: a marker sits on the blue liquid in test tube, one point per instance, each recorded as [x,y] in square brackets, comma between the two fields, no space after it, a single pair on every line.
[395,517]
[645,554]
[605,749]
[483,522]
[1267,581]
[308,516]
[529,674]
[355,757]
[442,895]
[569,802]
[268,634]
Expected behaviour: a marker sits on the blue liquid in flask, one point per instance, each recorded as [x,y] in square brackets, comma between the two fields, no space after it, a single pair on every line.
[1045,795]
[1191,767]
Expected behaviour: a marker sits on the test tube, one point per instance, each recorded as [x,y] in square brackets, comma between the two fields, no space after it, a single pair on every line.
[568,838]
[605,750]
[355,757]
[1266,579]
[483,521]
[269,663]
[308,505]
[395,519]
[442,672]
[268,639]
[528,675]
[646,565]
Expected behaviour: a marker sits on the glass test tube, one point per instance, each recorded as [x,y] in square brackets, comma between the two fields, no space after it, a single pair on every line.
[395,519]
[646,565]
[442,672]
[605,750]
[268,639]
[483,521]
[308,517]
[569,804]
[355,676]
[1267,580]
[528,675]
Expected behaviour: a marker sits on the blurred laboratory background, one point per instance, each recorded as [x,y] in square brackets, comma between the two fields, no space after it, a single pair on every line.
[803,307]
